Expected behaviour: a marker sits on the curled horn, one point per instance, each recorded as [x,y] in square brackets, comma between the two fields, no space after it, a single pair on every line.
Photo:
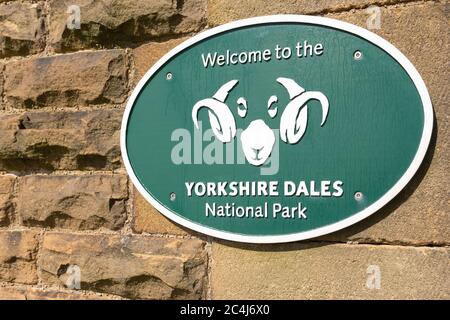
[294,119]
[220,117]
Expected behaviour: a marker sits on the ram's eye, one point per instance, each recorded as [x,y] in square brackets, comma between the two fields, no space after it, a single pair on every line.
[271,109]
[242,107]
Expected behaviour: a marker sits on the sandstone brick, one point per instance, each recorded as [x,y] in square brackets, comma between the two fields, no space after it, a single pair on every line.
[2,69]
[6,199]
[73,202]
[78,79]
[125,23]
[147,55]
[18,251]
[51,294]
[128,266]
[26,293]
[420,213]
[46,141]
[12,293]
[333,271]
[148,219]
[223,11]
[22,29]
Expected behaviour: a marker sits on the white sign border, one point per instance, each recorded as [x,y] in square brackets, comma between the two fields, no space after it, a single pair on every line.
[321,21]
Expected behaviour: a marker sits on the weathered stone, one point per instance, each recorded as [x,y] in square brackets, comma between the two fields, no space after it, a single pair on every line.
[73,202]
[26,293]
[2,81]
[21,29]
[12,293]
[44,141]
[223,11]
[125,23]
[147,55]
[50,294]
[337,271]
[69,80]
[420,213]
[18,251]
[128,266]
[6,199]
[148,219]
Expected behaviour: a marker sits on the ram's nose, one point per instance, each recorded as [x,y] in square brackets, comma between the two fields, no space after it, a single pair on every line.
[257,142]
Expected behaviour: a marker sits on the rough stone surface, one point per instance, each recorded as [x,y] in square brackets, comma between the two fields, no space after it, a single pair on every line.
[73,202]
[125,23]
[18,250]
[6,199]
[12,293]
[2,81]
[78,79]
[420,213]
[223,11]
[46,141]
[128,266]
[320,271]
[21,29]
[49,294]
[25,293]
[147,55]
[148,219]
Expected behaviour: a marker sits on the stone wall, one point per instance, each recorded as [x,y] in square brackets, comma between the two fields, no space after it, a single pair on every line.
[66,201]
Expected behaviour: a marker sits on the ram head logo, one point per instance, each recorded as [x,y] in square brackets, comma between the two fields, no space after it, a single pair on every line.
[258,139]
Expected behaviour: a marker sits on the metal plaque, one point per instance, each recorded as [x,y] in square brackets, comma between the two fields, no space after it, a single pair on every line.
[276,129]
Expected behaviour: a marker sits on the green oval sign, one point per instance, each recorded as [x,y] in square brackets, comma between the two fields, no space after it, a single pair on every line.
[276,129]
